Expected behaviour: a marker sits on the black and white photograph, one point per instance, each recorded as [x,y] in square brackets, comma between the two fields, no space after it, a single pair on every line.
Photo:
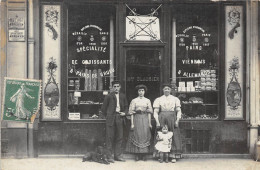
[130,84]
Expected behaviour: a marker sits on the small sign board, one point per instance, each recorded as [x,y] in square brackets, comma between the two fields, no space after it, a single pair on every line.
[16,25]
[16,35]
[74,116]
[21,99]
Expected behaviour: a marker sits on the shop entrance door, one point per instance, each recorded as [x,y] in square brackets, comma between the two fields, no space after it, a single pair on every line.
[143,67]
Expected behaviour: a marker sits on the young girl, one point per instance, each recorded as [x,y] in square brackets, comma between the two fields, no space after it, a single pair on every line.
[163,145]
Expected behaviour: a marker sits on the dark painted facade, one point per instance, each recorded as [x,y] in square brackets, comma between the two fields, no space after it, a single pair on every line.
[211,134]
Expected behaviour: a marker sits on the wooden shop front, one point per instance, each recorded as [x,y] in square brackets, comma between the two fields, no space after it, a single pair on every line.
[197,47]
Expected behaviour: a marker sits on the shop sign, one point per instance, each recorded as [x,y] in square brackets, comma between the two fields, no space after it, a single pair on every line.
[16,25]
[142,28]
[90,50]
[193,38]
[194,49]
[16,35]
[21,99]
[74,116]
[16,20]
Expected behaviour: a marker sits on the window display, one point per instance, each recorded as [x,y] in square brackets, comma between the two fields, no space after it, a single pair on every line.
[197,66]
[89,60]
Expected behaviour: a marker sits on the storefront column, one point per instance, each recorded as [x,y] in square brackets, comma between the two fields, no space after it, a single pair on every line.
[253,70]
[30,70]
[30,40]
[111,49]
[173,51]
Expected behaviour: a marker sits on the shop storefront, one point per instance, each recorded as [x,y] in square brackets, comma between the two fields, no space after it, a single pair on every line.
[201,48]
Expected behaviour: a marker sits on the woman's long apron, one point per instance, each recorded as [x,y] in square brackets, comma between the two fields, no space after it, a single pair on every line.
[139,138]
[169,118]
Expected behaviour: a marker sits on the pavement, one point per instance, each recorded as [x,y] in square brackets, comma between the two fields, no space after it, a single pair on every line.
[130,164]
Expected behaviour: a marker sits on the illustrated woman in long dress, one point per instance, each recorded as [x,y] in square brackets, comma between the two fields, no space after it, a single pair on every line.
[18,98]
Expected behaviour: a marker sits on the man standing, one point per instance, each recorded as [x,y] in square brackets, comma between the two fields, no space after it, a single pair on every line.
[115,107]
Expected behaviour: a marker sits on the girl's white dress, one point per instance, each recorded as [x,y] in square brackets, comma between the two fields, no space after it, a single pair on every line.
[164,142]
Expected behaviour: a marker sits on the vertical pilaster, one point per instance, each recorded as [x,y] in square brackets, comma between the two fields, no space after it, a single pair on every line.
[253,69]
[30,40]
[112,47]
[173,51]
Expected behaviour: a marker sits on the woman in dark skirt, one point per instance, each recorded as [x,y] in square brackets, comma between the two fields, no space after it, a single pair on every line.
[167,111]
[139,138]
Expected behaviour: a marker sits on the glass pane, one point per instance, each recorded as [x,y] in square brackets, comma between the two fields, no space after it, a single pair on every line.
[197,65]
[88,59]
[143,67]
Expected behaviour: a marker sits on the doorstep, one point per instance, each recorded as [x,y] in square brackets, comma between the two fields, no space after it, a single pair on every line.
[190,156]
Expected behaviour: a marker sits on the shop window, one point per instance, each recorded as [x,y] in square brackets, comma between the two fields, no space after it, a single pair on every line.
[143,23]
[197,60]
[90,62]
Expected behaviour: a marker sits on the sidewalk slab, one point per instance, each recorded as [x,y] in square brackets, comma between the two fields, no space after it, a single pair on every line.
[130,164]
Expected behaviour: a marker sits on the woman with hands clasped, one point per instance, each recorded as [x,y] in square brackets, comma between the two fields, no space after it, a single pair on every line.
[139,138]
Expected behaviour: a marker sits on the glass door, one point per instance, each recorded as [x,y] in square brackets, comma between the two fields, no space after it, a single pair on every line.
[143,67]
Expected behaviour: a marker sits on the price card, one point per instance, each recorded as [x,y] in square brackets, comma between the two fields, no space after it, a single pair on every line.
[182,84]
[105,93]
[189,83]
[77,94]
[74,116]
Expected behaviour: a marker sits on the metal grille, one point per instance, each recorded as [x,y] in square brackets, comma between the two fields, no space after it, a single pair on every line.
[197,141]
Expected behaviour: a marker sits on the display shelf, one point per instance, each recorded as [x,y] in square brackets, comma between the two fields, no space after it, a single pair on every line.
[187,77]
[87,120]
[90,104]
[87,90]
[198,119]
[82,77]
[84,104]
[197,91]
[188,92]
[142,65]
[210,104]
[192,103]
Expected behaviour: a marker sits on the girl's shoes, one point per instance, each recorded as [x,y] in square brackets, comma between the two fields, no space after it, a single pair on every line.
[144,158]
[136,158]
[173,160]
[161,158]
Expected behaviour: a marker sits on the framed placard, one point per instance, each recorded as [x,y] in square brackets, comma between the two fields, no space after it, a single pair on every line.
[234,33]
[142,23]
[16,25]
[51,62]
[21,99]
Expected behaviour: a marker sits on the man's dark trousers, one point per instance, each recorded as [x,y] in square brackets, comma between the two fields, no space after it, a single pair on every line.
[112,131]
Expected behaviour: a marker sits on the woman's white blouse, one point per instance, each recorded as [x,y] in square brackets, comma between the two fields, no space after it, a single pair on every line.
[142,104]
[167,103]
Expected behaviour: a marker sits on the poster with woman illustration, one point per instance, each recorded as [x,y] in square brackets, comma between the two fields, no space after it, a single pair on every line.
[21,99]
